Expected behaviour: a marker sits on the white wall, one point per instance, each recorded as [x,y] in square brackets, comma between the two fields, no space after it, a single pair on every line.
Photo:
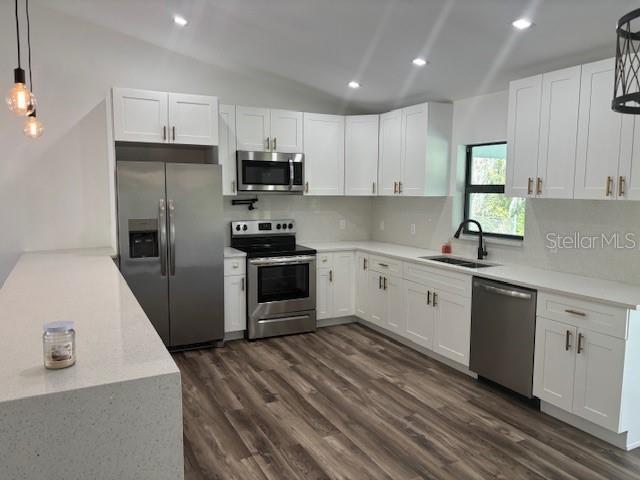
[54,191]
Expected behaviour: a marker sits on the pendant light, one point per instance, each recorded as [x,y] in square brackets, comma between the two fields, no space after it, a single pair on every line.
[626,93]
[33,128]
[20,100]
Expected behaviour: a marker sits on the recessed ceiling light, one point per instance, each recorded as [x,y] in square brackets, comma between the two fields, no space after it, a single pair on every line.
[522,23]
[420,62]
[354,84]
[178,20]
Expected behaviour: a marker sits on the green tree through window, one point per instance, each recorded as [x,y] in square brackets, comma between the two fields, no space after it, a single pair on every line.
[485,201]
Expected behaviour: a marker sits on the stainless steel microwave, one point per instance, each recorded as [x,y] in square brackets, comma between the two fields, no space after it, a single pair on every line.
[270,172]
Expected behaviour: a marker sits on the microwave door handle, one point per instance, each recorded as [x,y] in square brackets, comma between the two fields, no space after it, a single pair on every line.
[290,173]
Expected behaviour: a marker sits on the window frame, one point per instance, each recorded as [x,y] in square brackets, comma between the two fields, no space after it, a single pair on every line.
[469,188]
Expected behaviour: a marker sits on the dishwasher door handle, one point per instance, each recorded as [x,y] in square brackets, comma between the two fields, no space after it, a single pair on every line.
[507,293]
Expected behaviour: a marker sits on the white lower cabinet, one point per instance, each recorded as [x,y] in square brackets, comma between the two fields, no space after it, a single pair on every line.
[452,333]
[377,304]
[419,314]
[362,285]
[583,371]
[235,295]
[335,285]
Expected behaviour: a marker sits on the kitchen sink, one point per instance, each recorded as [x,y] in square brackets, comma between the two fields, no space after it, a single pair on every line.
[461,262]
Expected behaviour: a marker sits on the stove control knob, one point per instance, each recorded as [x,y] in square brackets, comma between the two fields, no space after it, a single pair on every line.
[244,227]
[290,225]
[278,226]
[284,226]
[237,228]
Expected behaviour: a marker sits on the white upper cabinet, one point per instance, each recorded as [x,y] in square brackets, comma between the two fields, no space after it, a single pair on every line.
[523,135]
[253,129]
[602,142]
[628,181]
[361,155]
[161,117]
[390,153]
[416,164]
[193,119]
[558,133]
[140,115]
[324,154]
[227,148]
[286,131]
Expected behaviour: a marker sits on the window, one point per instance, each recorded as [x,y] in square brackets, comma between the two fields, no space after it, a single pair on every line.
[485,201]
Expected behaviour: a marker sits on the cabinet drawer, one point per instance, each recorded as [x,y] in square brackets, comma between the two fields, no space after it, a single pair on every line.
[439,278]
[234,266]
[385,265]
[594,316]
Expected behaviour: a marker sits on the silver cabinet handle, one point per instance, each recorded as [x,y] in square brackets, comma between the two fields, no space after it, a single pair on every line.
[331,275]
[172,238]
[384,283]
[529,186]
[306,187]
[174,132]
[567,341]
[162,226]
[383,265]
[428,297]
[379,282]
[233,186]
[435,299]
[268,144]
[373,187]
[164,133]
[242,287]
[621,186]
[580,347]
[507,293]
[575,312]
[609,185]
[538,186]
[395,187]
[275,144]
[399,187]
[364,263]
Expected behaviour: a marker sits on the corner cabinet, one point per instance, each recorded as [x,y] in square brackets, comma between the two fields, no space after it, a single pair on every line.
[161,117]
[324,154]
[227,148]
[334,285]
[361,155]
[414,150]
[585,362]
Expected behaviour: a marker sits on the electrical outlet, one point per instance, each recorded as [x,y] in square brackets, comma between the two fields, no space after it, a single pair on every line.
[343,224]
[381,224]
[413,229]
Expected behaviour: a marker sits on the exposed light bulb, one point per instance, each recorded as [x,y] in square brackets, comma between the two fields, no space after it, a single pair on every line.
[522,23]
[419,62]
[180,20]
[20,100]
[33,128]
[354,84]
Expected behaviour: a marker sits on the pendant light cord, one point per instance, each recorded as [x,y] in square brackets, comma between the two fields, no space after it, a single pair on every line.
[29,45]
[18,34]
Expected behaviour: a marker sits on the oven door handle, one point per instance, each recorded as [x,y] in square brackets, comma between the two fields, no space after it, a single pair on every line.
[283,261]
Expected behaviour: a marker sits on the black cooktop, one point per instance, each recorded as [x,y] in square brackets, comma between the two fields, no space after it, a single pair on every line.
[275,251]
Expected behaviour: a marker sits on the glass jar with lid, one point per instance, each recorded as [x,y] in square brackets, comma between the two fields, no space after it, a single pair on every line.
[59,345]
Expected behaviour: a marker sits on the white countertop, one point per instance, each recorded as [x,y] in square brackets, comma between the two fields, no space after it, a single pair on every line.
[605,291]
[233,253]
[115,341]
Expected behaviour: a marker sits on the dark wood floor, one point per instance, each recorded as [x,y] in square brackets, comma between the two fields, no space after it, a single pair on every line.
[346,402]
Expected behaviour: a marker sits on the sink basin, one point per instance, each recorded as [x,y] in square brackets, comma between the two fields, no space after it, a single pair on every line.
[461,262]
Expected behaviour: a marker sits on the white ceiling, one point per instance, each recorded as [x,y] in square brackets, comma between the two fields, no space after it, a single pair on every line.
[471,44]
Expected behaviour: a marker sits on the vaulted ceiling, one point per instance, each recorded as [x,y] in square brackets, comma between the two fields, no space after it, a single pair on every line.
[470,44]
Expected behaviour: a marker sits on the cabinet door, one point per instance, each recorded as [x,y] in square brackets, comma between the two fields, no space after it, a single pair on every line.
[554,362]
[361,155]
[342,278]
[523,134]
[193,119]
[227,148]
[286,131]
[452,326]
[362,286]
[419,314]
[628,186]
[140,116]
[253,127]
[390,152]
[395,317]
[377,300]
[324,294]
[414,150]
[598,379]
[558,132]
[600,130]
[324,154]
[235,304]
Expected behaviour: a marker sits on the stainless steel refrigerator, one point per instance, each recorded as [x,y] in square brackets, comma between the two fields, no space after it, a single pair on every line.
[171,242]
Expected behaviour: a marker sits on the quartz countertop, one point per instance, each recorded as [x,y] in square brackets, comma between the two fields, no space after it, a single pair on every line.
[614,293]
[230,252]
[115,342]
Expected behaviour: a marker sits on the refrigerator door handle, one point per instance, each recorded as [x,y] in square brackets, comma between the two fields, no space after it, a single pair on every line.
[172,238]
[162,227]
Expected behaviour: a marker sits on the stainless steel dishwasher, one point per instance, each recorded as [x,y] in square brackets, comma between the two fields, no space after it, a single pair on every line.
[503,324]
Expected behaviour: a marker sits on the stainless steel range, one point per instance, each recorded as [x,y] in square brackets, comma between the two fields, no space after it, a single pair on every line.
[281,278]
